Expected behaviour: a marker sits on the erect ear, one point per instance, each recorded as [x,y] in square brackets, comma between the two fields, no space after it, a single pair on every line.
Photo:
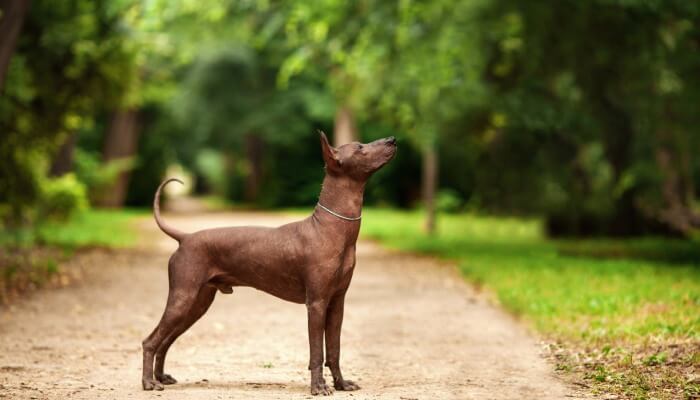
[330,154]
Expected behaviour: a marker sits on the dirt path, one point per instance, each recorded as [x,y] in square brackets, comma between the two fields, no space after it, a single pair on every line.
[413,330]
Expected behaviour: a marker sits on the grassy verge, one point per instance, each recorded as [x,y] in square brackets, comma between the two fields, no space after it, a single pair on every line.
[624,315]
[97,227]
[31,258]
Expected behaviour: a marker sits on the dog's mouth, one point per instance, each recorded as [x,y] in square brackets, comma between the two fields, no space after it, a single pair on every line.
[392,147]
[390,151]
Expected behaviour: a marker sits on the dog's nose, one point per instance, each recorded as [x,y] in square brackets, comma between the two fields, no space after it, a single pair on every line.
[391,140]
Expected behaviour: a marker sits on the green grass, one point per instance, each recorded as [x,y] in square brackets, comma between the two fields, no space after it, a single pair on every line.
[105,228]
[622,315]
[605,289]
[95,227]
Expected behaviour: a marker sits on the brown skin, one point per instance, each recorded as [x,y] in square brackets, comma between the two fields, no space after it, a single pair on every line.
[307,262]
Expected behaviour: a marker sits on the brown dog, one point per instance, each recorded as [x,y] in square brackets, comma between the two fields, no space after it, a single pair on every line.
[309,261]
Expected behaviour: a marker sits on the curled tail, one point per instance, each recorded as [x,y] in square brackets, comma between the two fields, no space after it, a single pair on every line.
[170,231]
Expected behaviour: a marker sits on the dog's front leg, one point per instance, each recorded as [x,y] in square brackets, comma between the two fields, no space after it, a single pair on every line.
[334,323]
[317,320]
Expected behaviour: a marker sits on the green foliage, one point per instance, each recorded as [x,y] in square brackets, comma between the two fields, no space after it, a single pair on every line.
[668,251]
[97,175]
[448,201]
[399,56]
[230,97]
[155,152]
[71,60]
[588,122]
[295,173]
[587,110]
[62,197]
[211,165]
[19,188]
[250,103]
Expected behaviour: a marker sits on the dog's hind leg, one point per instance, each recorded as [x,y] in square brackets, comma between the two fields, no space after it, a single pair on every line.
[180,302]
[204,300]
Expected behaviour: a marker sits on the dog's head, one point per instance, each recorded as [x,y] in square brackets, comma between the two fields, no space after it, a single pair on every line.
[357,160]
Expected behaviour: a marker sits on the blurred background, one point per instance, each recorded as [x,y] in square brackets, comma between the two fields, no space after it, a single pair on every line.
[524,128]
[584,113]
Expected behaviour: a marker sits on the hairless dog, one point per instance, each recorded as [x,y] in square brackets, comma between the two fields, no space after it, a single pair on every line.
[309,261]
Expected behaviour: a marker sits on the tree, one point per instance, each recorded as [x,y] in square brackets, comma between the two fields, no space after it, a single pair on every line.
[607,95]
[12,14]
[230,101]
[334,37]
[120,144]
[429,79]
[399,56]
[67,55]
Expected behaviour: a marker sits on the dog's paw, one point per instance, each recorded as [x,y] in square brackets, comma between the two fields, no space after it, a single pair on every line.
[321,389]
[346,385]
[151,384]
[166,379]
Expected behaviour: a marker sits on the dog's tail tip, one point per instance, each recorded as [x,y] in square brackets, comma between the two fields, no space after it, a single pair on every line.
[165,182]
[167,229]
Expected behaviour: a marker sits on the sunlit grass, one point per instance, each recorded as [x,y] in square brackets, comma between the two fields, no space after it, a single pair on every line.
[95,227]
[592,290]
[109,228]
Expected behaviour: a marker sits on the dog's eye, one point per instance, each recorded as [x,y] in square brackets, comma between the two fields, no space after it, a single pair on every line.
[359,147]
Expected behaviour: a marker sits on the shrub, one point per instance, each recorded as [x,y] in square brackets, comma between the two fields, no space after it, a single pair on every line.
[448,201]
[98,176]
[62,197]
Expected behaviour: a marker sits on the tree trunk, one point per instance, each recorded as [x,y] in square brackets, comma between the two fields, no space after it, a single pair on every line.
[231,189]
[676,190]
[430,177]
[63,162]
[254,151]
[121,142]
[13,13]
[345,130]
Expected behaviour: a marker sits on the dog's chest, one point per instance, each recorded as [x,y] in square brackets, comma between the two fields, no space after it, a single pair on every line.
[346,267]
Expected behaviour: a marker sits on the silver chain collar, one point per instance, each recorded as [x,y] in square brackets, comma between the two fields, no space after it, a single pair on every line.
[324,208]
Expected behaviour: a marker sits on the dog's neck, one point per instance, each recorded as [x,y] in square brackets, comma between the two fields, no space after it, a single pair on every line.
[342,195]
